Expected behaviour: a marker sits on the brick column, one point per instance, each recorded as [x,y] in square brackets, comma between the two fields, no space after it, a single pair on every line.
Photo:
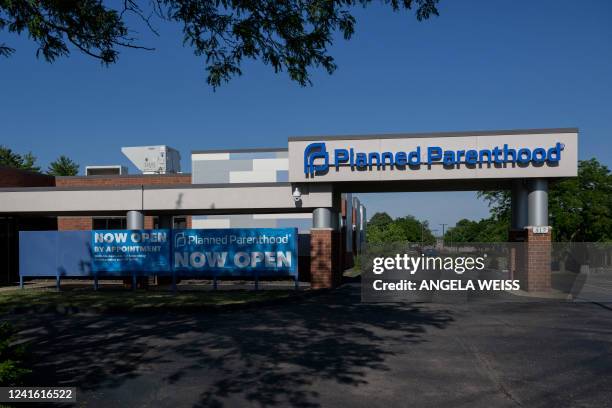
[148,222]
[323,261]
[539,247]
[533,260]
[74,223]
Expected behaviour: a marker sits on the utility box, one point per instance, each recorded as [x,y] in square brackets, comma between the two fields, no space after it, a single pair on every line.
[154,159]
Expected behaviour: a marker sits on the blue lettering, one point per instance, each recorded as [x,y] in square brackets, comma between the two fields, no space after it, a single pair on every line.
[317,160]
[434,153]
[538,152]
[449,158]
[386,157]
[341,156]
[482,154]
[460,154]
[471,157]
[361,161]
[496,155]
[371,157]
[414,157]
[554,153]
[400,159]
[509,154]
[523,156]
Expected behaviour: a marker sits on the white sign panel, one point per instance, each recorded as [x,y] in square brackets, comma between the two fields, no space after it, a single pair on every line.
[476,155]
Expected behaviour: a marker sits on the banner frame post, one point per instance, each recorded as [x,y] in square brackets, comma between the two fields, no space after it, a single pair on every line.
[133,280]
[296,277]
[95,281]
[57,282]
[215,281]
[21,281]
[171,257]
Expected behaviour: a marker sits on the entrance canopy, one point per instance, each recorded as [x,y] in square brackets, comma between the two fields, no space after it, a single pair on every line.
[320,168]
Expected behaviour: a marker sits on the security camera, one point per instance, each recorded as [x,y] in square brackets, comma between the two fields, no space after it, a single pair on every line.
[297,195]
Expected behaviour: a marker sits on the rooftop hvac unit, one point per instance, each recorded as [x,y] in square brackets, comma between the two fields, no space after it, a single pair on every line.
[154,159]
[105,170]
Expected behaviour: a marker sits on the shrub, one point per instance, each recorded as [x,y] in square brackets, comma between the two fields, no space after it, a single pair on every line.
[11,357]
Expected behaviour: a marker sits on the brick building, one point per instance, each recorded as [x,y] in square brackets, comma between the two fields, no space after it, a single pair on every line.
[67,223]
[311,185]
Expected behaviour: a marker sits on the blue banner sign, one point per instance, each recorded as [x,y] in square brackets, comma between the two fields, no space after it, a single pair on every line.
[248,252]
[117,251]
[235,252]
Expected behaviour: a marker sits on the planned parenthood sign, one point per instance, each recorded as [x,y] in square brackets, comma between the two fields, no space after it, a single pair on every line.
[235,252]
[130,250]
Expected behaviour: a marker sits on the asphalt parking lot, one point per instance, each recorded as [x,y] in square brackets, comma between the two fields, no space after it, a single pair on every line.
[331,350]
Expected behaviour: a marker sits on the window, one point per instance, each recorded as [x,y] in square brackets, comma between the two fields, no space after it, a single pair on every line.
[109,223]
[180,222]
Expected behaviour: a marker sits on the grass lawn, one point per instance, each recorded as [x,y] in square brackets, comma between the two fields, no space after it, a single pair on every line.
[124,300]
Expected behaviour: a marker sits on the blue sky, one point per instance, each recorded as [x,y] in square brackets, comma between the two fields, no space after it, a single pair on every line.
[480,65]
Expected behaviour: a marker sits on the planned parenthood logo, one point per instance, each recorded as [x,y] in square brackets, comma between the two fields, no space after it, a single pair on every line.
[313,155]
[180,240]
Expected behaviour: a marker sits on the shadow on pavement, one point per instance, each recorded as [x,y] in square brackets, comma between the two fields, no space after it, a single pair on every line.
[269,356]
